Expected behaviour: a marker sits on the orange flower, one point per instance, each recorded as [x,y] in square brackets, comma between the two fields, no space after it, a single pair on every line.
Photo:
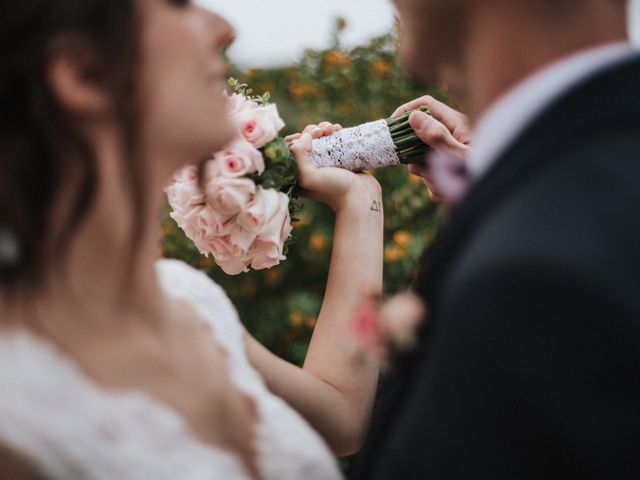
[394,254]
[402,238]
[381,68]
[251,74]
[206,262]
[264,87]
[318,242]
[416,179]
[250,289]
[296,319]
[273,276]
[344,109]
[301,90]
[335,58]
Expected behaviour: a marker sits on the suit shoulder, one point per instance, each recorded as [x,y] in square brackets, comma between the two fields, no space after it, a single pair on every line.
[581,212]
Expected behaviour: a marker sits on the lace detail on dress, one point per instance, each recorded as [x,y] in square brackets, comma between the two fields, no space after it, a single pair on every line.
[357,148]
[72,429]
[288,448]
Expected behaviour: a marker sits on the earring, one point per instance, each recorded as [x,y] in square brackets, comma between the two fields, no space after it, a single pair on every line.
[10,251]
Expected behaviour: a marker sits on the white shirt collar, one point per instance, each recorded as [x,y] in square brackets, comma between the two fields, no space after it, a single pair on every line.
[509,116]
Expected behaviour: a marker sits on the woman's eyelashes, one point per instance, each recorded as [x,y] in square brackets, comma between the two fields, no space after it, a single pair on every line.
[180,3]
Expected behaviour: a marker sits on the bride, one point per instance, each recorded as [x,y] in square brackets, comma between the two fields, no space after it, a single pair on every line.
[114,365]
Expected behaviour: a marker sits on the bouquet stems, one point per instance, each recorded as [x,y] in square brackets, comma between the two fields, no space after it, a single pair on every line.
[409,147]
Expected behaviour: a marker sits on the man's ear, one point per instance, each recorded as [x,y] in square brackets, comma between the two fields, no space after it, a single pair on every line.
[73,76]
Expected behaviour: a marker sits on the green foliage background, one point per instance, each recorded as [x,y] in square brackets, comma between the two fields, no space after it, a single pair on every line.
[280,306]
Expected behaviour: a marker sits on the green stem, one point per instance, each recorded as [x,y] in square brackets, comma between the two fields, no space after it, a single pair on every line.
[407,141]
[409,147]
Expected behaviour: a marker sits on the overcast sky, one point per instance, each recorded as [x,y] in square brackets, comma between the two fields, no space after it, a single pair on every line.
[276,32]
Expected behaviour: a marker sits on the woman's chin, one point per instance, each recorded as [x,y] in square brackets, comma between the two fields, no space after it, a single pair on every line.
[224,136]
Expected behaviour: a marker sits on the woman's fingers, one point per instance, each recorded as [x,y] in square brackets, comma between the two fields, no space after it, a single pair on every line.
[316,131]
[293,137]
[301,150]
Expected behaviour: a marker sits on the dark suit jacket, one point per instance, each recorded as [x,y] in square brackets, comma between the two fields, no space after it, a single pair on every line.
[530,363]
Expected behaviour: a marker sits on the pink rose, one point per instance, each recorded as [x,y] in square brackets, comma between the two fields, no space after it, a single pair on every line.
[188,175]
[238,103]
[265,205]
[187,220]
[228,196]
[267,250]
[184,193]
[242,239]
[278,228]
[183,197]
[213,223]
[228,256]
[238,159]
[265,255]
[259,125]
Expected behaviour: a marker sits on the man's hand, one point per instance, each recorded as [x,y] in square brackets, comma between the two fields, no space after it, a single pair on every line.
[446,131]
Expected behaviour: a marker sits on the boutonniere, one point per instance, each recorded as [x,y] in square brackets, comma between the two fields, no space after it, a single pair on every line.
[387,329]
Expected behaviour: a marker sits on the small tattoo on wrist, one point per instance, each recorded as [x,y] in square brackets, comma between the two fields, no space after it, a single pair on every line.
[376,206]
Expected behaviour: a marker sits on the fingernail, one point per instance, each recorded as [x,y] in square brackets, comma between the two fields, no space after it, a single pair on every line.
[418,119]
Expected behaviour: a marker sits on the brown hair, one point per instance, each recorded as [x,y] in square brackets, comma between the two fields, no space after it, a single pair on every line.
[39,144]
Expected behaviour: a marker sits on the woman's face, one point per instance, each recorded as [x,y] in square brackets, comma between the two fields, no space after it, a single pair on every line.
[183,72]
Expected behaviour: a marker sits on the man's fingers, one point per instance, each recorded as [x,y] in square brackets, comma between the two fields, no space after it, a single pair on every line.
[419,170]
[412,105]
[436,134]
[455,121]
[423,171]
[430,131]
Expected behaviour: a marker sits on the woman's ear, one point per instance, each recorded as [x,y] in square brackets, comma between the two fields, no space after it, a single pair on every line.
[73,76]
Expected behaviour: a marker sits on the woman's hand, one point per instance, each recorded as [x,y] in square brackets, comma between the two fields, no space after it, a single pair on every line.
[446,131]
[336,187]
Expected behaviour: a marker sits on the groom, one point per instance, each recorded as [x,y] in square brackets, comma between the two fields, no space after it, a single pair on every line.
[529,366]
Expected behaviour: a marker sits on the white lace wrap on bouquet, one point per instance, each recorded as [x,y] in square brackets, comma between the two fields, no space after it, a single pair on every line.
[358,148]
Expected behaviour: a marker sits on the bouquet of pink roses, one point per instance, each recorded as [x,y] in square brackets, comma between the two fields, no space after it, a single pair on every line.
[241,209]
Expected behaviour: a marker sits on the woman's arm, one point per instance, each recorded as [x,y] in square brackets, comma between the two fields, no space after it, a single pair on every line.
[334,390]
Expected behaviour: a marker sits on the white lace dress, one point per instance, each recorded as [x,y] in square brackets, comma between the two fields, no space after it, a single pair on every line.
[71,428]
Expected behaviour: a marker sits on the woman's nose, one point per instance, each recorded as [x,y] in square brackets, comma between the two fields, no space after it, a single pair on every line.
[225,33]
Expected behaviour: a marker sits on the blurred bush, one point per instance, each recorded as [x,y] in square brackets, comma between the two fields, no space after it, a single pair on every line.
[346,86]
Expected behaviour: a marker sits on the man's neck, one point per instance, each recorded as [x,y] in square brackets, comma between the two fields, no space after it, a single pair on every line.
[508,44]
